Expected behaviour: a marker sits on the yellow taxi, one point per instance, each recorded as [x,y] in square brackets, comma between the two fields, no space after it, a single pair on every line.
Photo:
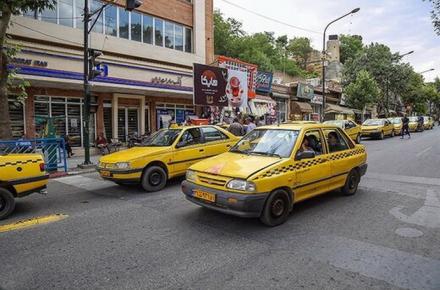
[274,167]
[428,122]
[351,128]
[164,155]
[398,124]
[378,128]
[414,124]
[20,175]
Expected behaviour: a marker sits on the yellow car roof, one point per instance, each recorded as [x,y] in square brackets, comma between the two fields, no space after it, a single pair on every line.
[298,126]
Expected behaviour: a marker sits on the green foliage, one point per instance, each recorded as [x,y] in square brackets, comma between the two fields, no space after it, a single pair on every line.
[363,91]
[435,15]
[351,46]
[300,48]
[262,49]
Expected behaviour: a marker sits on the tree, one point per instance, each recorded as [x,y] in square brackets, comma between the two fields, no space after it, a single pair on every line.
[413,94]
[226,34]
[363,91]
[300,48]
[351,46]
[435,15]
[9,8]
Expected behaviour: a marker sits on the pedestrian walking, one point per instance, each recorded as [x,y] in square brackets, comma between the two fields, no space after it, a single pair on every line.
[405,127]
[68,146]
[236,128]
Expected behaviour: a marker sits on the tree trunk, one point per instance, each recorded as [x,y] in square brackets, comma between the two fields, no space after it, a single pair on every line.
[5,123]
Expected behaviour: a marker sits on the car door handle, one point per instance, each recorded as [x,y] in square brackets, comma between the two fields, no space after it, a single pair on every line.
[229,145]
[201,150]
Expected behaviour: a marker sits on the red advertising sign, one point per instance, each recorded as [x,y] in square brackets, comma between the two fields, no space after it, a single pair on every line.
[210,85]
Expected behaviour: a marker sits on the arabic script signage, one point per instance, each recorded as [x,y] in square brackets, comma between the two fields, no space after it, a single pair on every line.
[210,85]
[264,82]
[167,81]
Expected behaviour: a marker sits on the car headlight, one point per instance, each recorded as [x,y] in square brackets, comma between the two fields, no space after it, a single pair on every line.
[243,185]
[190,175]
[122,165]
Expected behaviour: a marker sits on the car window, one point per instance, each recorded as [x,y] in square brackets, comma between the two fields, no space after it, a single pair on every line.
[212,134]
[191,137]
[311,141]
[352,125]
[335,141]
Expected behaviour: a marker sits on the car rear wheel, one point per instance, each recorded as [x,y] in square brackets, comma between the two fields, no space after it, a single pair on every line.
[7,203]
[352,182]
[277,208]
[358,139]
[154,178]
[381,136]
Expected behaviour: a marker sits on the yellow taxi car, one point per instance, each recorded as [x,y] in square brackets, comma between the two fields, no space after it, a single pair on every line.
[274,167]
[398,124]
[378,128]
[20,175]
[428,122]
[414,124]
[351,128]
[164,155]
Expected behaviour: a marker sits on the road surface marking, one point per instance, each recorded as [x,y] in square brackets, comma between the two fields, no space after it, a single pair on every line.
[87,183]
[403,178]
[427,216]
[393,266]
[409,232]
[424,151]
[32,222]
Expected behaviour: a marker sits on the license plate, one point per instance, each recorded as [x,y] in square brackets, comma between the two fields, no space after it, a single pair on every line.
[105,173]
[204,195]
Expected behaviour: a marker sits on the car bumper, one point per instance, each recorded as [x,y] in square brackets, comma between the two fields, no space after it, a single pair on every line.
[363,169]
[370,134]
[128,175]
[242,205]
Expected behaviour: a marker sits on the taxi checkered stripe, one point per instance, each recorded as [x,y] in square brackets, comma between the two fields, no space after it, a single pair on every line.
[308,163]
[20,162]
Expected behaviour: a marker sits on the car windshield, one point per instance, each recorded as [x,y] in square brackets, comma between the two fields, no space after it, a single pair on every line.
[164,137]
[338,123]
[267,142]
[396,120]
[373,122]
[413,119]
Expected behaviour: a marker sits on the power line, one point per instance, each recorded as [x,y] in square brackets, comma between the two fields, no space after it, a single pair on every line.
[45,34]
[270,18]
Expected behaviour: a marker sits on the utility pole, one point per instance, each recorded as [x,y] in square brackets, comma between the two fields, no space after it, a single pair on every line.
[86,120]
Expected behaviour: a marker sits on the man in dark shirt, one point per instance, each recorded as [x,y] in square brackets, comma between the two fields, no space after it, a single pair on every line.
[405,127]
[236,128]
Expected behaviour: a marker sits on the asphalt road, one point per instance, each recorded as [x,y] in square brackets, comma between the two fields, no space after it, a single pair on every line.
[385,237]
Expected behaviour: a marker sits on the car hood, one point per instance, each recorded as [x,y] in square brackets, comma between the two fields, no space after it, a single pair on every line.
[235,164]
[133,153]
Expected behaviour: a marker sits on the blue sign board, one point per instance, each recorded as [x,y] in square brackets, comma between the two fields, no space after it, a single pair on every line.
[264,82]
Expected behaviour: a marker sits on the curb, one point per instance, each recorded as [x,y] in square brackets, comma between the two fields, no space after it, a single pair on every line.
[78,172]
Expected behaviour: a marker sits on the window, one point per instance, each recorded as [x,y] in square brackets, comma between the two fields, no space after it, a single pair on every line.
[312,141]
[123,23]
[169,34]
[49,15]
[16,116]
[65,10]
[31,14]
[335,141]
[212,134]
[191,137]
[111,15]
[178,37]
[148,29]
[158,32]
[136,26]
[99,26]
[79,10]
[188,39]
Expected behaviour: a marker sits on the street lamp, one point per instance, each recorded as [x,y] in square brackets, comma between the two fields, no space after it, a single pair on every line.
[425,71]
[323,59]
[405,54]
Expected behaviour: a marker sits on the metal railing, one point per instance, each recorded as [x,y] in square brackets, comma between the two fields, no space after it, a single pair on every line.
[52,149]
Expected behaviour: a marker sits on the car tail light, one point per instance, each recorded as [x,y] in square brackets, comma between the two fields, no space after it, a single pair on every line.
[42,167]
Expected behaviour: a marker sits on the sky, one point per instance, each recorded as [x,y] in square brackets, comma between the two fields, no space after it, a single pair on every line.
[403,25]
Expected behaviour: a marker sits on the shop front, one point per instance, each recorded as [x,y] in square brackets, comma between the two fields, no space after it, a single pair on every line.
[300,111]
[281,95]
[336,112]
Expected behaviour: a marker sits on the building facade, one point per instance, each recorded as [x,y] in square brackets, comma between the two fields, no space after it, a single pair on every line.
[147,61]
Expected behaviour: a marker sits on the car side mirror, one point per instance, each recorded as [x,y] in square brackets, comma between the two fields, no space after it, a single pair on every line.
[308,154]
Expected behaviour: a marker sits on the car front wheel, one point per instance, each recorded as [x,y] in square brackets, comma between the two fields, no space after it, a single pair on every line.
[7,203]
[358,139]
[277,208]
[154,178]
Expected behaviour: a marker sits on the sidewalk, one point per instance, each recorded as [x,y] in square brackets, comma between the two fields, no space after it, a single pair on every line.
[73,162]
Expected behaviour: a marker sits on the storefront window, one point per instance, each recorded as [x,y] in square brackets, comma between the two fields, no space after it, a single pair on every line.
[136,26]
[178,32]
[108,123]
[158,32]
[123,23]
[148,29]
[16,116]
[281,109]
[65,8]
[111,27]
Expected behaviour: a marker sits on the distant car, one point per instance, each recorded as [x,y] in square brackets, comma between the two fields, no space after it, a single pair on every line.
[271,169]
[164,155]
[378,128]
[415,124]
[351,128]
[20,175]
[428,122]
[398,124]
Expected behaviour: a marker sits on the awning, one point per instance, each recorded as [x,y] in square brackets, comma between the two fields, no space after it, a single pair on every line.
[302,107]
[264,99]
[281,96]
[336,109]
